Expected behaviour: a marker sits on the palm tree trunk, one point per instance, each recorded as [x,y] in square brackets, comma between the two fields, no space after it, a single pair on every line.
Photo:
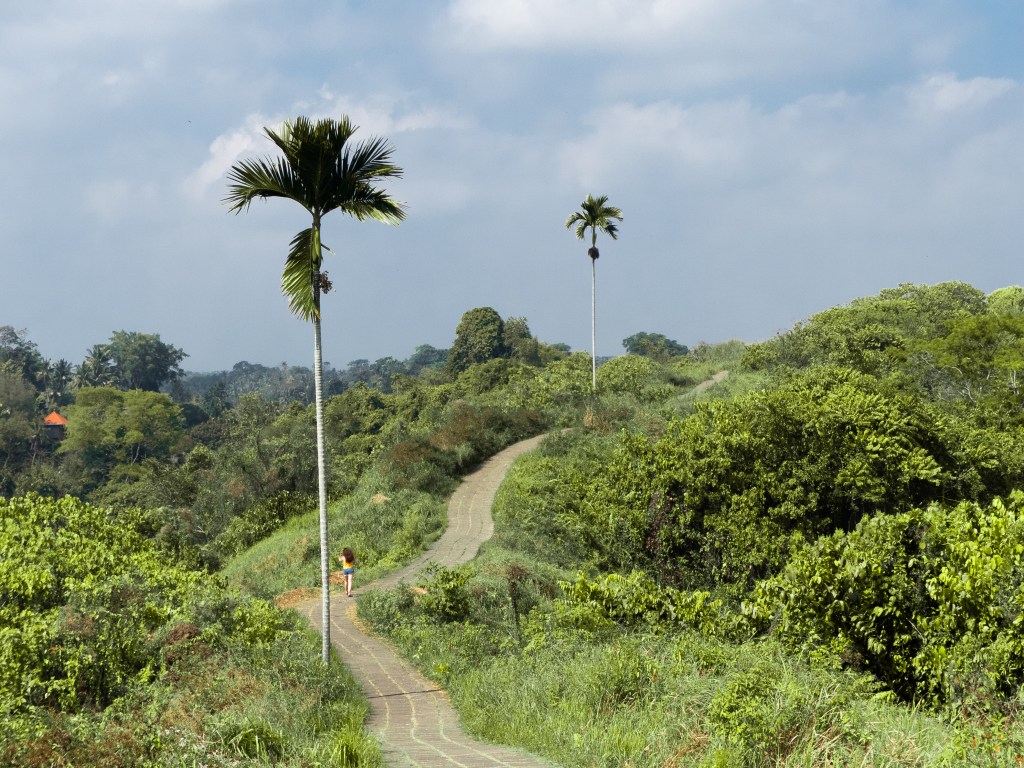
[321,468]
[593,325]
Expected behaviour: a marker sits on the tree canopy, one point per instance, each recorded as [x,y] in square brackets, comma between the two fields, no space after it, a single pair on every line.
[654,345]
[479,337]
[143,361]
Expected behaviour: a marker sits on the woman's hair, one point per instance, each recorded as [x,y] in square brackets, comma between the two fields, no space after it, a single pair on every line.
[348,554]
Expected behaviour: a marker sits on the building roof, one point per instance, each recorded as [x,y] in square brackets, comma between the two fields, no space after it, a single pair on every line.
[55,418]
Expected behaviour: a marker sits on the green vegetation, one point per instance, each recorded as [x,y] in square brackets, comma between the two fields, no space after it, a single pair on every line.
[113,654]
[655,345]
[120,645]
[807,551]
[479,337]
[817,562]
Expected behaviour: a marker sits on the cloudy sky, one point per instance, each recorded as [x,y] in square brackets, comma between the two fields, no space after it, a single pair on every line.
[772,158]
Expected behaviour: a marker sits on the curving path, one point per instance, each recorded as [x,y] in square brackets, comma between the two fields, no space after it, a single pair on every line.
[416,723]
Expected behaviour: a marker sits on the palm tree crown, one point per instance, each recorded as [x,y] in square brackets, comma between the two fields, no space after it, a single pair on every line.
[596,215]
[322,171]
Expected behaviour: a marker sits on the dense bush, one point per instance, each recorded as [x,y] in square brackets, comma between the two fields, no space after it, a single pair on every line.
[87,605]
[256,523]
[718,499]
[468,435]
[929,601]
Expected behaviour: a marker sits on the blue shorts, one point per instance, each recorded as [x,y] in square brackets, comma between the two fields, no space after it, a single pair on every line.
[348,571]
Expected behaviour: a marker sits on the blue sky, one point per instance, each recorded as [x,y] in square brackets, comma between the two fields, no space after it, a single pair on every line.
[772,159]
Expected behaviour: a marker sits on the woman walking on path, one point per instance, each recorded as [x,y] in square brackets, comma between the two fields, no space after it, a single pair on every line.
[348,567]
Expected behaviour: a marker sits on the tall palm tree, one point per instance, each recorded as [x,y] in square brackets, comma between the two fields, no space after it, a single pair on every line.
[322,170]
[596,215]
[58,381]
[97,370]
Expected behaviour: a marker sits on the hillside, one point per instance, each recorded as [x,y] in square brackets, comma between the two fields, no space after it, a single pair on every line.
[816,560]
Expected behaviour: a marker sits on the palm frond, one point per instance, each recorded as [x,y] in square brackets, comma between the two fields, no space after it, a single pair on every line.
[323,170]
[597,216]
[368,202]
[304,258]
[260,178]
[370,159]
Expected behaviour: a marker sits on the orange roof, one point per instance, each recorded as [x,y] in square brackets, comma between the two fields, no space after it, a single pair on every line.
[55,418]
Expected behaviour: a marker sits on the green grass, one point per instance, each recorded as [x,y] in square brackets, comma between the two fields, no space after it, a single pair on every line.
[384,529]
[249,705]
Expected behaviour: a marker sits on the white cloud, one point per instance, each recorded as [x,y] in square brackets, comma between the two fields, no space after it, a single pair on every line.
[704,43]
[661,139]
[731,139]
[946,93]
[225,150]
[833,173]
[387,114]
[379,116]
[578,23]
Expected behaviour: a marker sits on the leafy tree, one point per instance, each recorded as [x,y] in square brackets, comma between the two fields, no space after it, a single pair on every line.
[654,345]
[89,613]
[142,361]
[560,384]
[17,416]
[594,214]
[520,343]
[479,337]
[22,355]
[873,335]
[278,384]
[485,379]
[426,357]
[215,402]
[57,377]
[983,356]
[108,428]
[1006,301]
[719,498]
[323,171]
[380,373]
[635,375]
[548,353]
[928,600]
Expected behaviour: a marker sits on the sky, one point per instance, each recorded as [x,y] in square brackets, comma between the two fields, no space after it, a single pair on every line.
[772,159]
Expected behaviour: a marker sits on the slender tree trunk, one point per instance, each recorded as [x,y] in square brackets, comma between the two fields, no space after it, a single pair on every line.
[593,324]
[321,468]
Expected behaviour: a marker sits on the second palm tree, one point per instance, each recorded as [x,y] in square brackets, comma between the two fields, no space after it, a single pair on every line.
[594,214]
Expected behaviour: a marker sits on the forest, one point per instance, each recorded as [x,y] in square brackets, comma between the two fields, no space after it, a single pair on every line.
[817,560]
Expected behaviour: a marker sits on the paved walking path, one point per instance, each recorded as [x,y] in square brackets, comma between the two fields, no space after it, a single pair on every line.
[416,723]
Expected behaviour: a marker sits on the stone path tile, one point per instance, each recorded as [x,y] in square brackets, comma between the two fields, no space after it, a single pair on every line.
[413,717]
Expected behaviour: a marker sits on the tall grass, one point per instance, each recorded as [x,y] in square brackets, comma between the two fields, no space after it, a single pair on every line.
[384,530]
[243,705]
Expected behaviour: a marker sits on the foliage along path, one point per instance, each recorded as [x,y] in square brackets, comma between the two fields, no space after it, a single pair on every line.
[416,723]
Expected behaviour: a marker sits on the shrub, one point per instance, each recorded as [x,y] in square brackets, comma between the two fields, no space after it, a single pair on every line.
[385,609]
[446,598]
[930,601]
[636,601]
